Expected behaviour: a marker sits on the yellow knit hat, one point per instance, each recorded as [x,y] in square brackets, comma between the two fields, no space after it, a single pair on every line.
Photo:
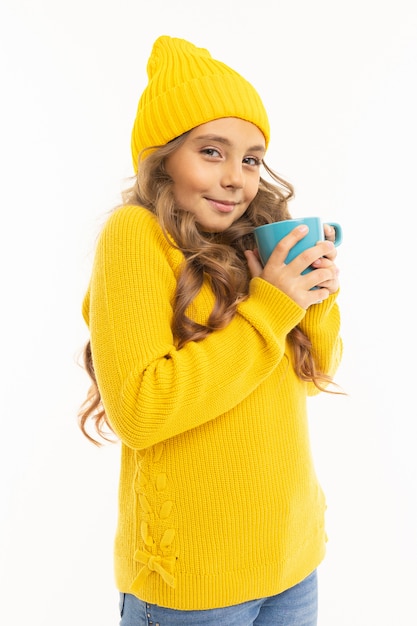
[186,88]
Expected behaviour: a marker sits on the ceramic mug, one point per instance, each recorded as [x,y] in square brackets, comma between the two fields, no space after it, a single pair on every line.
[268,235]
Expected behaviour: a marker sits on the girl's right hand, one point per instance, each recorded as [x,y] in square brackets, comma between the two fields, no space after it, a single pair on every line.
[289,278]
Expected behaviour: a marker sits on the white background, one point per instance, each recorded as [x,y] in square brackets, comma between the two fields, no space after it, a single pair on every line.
[339,82]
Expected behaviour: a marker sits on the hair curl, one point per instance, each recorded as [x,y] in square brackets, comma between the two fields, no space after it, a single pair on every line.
[218,255]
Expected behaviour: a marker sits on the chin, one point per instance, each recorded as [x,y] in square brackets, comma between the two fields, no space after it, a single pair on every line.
[214,228]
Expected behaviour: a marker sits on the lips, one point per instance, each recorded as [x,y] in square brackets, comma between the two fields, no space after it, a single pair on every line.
[222,206]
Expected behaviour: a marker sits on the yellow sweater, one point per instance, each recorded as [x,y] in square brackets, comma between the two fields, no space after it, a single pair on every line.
[219,501]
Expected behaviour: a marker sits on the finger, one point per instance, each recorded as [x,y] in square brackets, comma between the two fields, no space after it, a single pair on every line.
[319,278]
[311,255]
[332,282]
[281,250]
[332,252]
[329,232]
[321,299]
[254,264]
[323,261]
[317,296]
[331,255]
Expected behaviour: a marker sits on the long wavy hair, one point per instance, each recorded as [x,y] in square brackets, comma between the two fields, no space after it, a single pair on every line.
[220,256]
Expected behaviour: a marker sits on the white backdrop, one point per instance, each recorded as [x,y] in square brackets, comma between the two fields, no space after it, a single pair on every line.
[339,82]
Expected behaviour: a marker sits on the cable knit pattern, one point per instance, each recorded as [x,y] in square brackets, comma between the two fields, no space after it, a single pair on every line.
[219,501]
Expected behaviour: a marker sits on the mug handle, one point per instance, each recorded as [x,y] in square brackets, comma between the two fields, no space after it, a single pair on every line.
[337,232]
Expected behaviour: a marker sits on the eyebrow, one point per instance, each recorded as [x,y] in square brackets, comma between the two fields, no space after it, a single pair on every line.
[226,142]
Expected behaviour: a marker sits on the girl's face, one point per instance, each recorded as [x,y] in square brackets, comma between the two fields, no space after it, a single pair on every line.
[216,171]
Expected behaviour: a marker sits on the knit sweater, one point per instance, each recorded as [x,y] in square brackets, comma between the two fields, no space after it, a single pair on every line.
[219,502]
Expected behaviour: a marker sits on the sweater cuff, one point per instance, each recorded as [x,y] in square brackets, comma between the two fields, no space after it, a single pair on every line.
[318,314]
[268,308]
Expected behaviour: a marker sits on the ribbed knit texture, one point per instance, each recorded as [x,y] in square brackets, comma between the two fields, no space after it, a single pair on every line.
[219,501]
[186,88]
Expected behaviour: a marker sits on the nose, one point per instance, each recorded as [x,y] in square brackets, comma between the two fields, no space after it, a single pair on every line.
[232,175]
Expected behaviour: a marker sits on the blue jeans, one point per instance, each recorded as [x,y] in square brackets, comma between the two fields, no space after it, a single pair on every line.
[294,607]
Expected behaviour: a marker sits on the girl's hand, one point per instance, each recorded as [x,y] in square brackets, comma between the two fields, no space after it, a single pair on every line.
[330,235]
[289,278]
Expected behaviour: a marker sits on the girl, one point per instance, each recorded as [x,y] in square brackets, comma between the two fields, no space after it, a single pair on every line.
[202,360]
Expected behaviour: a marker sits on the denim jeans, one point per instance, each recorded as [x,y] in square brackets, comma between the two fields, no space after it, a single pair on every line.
[294,607]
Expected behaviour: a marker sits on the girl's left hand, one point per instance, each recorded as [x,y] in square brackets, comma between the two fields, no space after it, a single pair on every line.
[328,261]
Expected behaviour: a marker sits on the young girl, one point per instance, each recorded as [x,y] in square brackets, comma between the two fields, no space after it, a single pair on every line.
[202,361]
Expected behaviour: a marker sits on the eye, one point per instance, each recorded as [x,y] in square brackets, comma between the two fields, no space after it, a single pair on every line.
[211,152]
[253,161]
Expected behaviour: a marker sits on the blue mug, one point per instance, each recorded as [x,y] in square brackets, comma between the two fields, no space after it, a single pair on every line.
[268,235]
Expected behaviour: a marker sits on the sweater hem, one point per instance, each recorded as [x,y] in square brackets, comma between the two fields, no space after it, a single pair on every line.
[203,592]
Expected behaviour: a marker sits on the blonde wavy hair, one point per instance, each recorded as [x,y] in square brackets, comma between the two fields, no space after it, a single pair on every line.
[217,255]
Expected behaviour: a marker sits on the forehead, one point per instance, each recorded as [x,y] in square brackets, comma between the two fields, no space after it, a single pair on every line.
[231,129]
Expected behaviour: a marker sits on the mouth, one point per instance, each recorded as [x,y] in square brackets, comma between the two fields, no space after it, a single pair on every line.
[223,206]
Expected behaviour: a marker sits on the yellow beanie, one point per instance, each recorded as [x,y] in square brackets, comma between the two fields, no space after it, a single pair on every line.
[186,88]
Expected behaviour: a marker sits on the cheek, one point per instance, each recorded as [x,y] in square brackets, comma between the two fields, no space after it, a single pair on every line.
[252,189]
[195,181]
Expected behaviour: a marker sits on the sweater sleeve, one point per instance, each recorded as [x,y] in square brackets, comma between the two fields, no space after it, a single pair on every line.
[151,390]
[321,324]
